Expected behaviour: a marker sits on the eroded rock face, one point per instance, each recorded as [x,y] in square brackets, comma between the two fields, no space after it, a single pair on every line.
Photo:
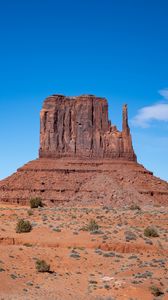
[79,127]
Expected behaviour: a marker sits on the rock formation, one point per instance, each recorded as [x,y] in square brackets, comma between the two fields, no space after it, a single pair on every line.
[84,160]
[79,127]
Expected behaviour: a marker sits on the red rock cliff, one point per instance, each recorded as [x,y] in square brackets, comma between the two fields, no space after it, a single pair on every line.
[79,127]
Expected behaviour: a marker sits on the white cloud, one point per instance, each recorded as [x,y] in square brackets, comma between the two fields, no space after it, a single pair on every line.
[164,93]
[155,112]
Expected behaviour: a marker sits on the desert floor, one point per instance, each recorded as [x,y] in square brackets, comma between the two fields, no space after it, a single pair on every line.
[116,261]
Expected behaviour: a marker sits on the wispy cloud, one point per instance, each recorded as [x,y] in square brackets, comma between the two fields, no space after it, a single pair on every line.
[156,112]
[164,93]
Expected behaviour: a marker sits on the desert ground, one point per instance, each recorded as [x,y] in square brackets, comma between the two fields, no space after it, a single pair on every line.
[113,259]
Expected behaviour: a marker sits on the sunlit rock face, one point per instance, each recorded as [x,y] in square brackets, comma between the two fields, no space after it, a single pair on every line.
[79,127]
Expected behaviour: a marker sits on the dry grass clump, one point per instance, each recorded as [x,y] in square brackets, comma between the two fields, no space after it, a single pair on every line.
[151,231]
[135,206]
[92,226]
[42,266]
[36,202]
[23,226]
[156,291]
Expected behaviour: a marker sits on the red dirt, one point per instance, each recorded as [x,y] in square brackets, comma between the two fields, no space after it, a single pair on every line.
[106,264]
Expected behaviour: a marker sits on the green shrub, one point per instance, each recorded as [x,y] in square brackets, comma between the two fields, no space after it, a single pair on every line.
[28,245]
[135,206]
[108,298]
[151,231]
[30,212]
[92,226]
[42,266]
[23,226]
[36,202]
[156,291]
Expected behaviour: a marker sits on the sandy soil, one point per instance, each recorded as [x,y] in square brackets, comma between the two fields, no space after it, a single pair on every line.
[115,262]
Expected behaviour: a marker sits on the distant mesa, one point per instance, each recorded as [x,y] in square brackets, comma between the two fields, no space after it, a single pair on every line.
[79,127]
[83,160]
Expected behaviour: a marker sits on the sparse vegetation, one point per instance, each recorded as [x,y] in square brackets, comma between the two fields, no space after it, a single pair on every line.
[135,206]
[156,291]
[107,298]
[92,226]
[42,266]
[151,231]
[36,202]
[30,212]
[27,245]
[23,226]
[106,286]
[103,266]
[130,236]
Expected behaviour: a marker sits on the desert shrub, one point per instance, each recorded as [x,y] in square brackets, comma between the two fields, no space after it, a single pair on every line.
[30,212]
[151,232]
[36,202]
[106,298]
[130,236]
[156,291]
[27,245]
[42,266]
[92,226]
[23,226]
[135,206]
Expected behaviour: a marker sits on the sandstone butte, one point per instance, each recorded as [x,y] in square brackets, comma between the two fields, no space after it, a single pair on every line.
[83,160]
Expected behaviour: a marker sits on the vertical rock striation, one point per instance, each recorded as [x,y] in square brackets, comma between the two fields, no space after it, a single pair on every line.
[79,127]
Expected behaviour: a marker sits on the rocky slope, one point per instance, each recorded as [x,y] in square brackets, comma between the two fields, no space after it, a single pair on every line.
[83,182]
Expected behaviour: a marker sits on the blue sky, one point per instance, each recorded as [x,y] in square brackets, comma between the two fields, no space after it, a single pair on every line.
[117,49]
